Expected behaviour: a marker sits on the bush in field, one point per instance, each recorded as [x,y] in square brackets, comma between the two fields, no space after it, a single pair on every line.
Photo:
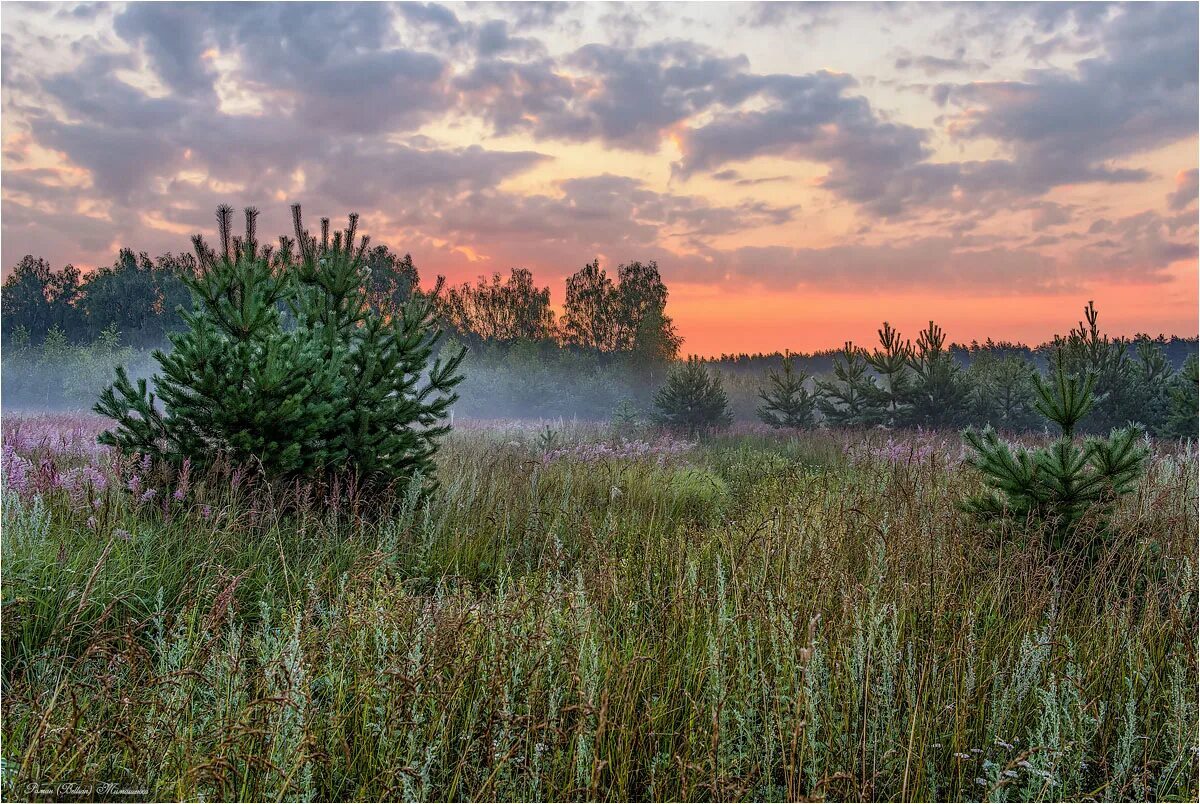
[1057,485]
[340,390]
[692,399]
[786,402]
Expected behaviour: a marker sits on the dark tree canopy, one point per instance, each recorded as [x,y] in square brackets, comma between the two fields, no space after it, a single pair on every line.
[627,317]
[501,311]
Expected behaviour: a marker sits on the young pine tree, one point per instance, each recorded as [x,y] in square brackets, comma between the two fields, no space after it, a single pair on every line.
[1088,351]
[1056,486]
[786,402]
[1183,412]
[851,399]
[692,400]
[891,360]
[1150,392]
[1001,390]
[339,390]
[938,393]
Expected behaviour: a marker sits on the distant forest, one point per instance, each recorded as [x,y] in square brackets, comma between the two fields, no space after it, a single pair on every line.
[609,349]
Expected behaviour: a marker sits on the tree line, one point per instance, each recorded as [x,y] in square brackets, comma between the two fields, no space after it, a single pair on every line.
[901,384]
[611,347]
[141,299]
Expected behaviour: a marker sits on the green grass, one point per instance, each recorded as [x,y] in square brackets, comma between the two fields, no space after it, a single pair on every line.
[760,618]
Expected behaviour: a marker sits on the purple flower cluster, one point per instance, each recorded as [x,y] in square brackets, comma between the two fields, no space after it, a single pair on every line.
[66,436]
[51,453]
[28,476]
[660,450]
[905,451]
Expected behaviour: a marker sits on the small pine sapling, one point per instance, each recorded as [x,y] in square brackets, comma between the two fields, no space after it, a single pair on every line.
[892,361]
[786,402]
[692,400]
[1057,486]
[1183,411]
[624,418]
[851,399]
[939,393]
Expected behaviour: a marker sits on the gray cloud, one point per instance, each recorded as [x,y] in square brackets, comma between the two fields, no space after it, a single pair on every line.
[935,65]
[1186,185]
[623,97]
[1064,127]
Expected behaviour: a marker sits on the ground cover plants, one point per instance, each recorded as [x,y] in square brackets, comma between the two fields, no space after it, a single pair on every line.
[591,612]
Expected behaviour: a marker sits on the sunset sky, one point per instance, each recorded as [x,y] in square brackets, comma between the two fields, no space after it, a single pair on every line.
[799,171]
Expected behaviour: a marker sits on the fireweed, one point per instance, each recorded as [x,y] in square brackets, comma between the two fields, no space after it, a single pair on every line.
[824,623]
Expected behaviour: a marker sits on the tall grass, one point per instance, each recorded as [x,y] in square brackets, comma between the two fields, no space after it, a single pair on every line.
[758,617]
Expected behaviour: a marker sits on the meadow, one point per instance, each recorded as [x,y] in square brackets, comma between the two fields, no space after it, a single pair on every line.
[578,613]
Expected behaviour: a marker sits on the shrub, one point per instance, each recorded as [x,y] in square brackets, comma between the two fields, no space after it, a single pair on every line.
[1057,485]
[692,399]
[336,389]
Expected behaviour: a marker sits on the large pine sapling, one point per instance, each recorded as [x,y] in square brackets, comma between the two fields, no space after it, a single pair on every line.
[692,400]
[786,402]
[1056,487]
[394,411]
[236,382]
[342,388]
[851,399]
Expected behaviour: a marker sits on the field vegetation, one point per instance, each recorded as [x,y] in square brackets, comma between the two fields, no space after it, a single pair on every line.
[573,614]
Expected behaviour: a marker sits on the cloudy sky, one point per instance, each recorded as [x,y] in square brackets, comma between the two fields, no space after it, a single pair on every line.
[799,171]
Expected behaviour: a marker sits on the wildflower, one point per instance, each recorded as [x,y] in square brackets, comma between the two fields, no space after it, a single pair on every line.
[91,523]
[123,534]
[1006,746]
[206,511]
[135,484]
[184,483]
[1012,774]
[982,782]
[961,755]
[147,496]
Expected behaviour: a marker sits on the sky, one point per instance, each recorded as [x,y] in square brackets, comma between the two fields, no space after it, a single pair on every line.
[800,171]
